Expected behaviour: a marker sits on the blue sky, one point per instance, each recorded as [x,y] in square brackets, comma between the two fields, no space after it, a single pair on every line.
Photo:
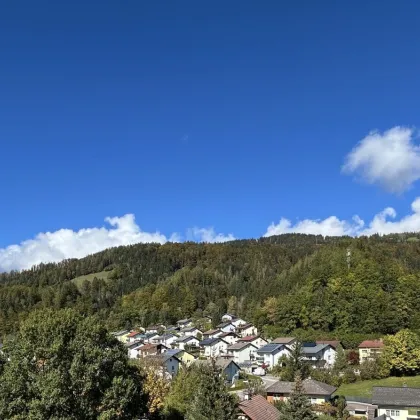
[229,115]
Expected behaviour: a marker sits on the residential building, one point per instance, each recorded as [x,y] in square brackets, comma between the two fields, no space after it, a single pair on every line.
[269,355]
[228,367]
[169,362]
[166,339]
[319,355]
[257,408]
[397,403]
[256,340]
[228,317]
[333,343]
[316,391]
[190,331]
[184,323]
[226,327]
[237,322]
[155,328]
[246,329]
[287,341]
[151,338]
[212,333]
[242,352]
[134,336]
[229,337]
[370,350]
[361,410]
[213,347]
[185,357]
[133,349]
[151,350]
[187,340]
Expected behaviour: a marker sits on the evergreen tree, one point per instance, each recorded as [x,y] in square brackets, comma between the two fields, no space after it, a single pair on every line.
[212,400]
[340,362]
[298,406]
[294,364]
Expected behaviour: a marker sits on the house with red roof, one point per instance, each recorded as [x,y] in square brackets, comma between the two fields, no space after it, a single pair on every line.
[257,408]
[370,349]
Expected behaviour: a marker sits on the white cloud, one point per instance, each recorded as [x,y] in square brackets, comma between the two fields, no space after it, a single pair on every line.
[66,243]
[208,235]
[333,226]
[391,159]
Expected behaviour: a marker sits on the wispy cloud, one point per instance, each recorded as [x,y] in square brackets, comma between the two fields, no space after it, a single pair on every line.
[390,159]
[208,235]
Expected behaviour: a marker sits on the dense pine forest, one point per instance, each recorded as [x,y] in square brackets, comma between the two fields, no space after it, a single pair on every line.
[303,284]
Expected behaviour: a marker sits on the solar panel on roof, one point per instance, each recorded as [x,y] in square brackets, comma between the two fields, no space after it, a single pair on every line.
[309,344]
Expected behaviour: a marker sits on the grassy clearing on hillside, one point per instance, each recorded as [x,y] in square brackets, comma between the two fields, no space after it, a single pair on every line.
[89,277]
[364,388]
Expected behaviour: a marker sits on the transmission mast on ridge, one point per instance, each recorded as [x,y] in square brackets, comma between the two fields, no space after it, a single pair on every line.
[348,258]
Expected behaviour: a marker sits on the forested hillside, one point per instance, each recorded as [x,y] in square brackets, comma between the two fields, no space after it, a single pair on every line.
[284,283]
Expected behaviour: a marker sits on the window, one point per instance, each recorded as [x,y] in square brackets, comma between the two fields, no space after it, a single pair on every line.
[313,400]
[388,412]
[397,413]
[392,412]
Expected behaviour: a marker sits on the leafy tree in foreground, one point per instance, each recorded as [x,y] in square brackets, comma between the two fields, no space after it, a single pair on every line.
[402,353]
[294,364]
[212,401]
[63,366]
[298,406]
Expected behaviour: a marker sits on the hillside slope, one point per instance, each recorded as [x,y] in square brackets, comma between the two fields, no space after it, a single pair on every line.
[288,281]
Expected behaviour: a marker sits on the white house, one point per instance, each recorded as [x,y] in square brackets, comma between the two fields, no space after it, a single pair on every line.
[133,349]
[184,323]
[228,317]
[229,337]
[270,354]
[166,339]
[256,340]
[151,338]
[187,340]
[319,355]
[213,347]
[190,331]
[212,333]
[246,329]
[226,327]
[237,322]
[155,328]
[242,352]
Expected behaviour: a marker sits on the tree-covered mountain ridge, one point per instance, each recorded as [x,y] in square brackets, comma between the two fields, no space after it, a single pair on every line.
[287,283]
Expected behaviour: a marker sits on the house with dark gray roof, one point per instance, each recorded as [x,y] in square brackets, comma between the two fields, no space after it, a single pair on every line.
[213,347]
[186,340]
[399,403]
[316,391]
[319,355]
[242,352]
[229,368]
[269,354]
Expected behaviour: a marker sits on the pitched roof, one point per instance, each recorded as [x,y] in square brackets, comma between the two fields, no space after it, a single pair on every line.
[371,344]
[283,340]
[250,338]
[310,386]
[314,349]
[210,341]
[240,345]
[333,343]
[225,334]
[173,352]
[134,333]
[185,339]
[221,362]
[189,329]
[258,408]
[224,324]
[270,348]
[245,326]
[397,396]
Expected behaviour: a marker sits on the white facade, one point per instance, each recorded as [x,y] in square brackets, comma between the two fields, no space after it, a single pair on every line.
[250,330]
[228,328]
[227,317]
[232,338]
[166,340]
[249,352]
[271,359]
[326,354]
[397,413]
[191,342]
[191,332]
[238,321]
[258,342]
[216,349]
[134,352]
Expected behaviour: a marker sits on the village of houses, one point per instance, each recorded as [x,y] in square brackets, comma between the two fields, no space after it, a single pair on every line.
[236,346]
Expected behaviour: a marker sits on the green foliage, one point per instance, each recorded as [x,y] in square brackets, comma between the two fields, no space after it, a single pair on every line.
[293,364]
[63,366]
[298,405]
[340,362]
[212,401]
[402,353]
